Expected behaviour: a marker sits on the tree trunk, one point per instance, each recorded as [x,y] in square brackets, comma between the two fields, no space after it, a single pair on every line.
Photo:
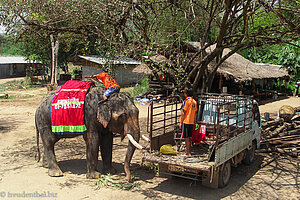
[54,47]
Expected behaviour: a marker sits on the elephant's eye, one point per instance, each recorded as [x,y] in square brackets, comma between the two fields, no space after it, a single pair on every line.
[123,117]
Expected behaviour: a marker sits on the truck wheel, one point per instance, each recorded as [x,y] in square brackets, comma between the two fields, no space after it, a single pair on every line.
[224,174]
[250,154]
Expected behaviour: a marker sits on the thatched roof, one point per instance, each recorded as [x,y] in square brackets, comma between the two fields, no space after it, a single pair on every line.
[142,69]
[243,69]
[236,66]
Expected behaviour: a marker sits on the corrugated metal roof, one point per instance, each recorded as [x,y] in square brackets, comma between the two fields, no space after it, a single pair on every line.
[116,60]
[14,60]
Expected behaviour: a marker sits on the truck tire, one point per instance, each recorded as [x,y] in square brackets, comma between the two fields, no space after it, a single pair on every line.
[224,174]
[250,154]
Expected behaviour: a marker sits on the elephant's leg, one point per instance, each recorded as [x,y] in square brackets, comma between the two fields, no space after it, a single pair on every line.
[106,144]
[53,168]
[44,160]
[92,152]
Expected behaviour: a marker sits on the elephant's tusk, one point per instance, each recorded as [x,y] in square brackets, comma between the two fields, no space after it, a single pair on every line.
[145,138]
[137,145]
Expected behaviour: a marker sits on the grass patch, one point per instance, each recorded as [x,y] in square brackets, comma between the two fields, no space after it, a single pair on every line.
[138,89]
[18,97]
[114,181]
[26,96]
[17,85]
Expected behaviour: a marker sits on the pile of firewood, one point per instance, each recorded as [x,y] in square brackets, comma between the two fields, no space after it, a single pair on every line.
[281,136]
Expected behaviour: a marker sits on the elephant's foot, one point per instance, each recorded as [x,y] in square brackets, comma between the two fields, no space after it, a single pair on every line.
[93,175]
[55,172]
[110,170]
[44,164]
[44,161]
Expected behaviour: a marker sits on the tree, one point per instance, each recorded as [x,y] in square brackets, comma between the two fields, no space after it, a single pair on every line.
[100,23]
[224,24]
[287,54]
[138,28]
[8,48]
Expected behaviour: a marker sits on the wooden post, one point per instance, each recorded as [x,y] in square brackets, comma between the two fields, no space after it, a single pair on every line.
[220,83]
[54,47]
[151,124]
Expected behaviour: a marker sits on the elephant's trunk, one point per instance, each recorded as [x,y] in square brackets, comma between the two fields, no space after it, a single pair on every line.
[130,151]
[133,130]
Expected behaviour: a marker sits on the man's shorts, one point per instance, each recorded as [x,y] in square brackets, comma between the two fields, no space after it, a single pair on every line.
[187,130]
[111,90]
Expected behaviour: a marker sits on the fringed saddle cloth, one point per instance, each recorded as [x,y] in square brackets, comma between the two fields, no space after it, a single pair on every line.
[67,114]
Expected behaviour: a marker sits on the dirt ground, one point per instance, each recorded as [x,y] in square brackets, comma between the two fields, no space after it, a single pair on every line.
[20,174]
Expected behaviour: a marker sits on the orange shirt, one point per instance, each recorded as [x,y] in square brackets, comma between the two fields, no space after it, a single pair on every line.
[107,80]
[190,110]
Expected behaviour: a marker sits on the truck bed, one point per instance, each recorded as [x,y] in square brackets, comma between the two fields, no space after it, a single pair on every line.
[194,165]
[179,163]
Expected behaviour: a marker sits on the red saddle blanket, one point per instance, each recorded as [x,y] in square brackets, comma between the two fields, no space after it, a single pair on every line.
[67,114]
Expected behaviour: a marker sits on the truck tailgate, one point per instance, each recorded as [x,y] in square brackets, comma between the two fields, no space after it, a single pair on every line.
[179,164]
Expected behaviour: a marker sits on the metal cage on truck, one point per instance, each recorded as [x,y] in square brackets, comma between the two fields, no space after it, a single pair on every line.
[232,132]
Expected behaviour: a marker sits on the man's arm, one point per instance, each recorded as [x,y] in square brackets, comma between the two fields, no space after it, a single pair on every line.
[181,118]
[195,117]
[93,76]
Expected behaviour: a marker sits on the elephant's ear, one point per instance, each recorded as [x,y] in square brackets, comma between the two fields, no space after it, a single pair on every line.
[104,113]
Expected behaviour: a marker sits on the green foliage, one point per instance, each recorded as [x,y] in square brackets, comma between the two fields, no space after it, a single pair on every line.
[287,55]
[151,167]
[143,86]
[72,71]
[8,47]
[290,86]
[263,20]
[114,181]
[124,28]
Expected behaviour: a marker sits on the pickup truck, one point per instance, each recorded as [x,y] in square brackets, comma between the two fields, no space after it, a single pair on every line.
[232,127]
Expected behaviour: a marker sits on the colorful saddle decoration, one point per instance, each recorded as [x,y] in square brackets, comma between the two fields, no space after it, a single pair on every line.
[67,114]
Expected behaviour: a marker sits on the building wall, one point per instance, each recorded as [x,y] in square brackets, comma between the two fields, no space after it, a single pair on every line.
[4,70]
[12,70]
[20,70]
[124,75]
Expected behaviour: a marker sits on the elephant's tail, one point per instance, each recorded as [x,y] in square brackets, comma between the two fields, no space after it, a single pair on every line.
[38,154]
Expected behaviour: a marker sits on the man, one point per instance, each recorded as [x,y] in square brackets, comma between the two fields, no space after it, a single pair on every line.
[188,118]
[110,84]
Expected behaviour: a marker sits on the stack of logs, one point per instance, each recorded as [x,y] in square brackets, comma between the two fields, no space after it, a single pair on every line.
[281,136]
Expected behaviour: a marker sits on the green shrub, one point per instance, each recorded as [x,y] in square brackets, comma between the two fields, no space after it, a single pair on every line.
[139,88]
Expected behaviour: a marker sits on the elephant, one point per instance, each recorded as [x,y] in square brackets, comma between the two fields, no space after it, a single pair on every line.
[117,114]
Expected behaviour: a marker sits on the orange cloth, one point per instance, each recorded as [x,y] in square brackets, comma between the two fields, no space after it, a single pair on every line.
[190,109]
[107,80]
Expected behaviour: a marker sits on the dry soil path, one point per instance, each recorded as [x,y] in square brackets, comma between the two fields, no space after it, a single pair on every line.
[20,174]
